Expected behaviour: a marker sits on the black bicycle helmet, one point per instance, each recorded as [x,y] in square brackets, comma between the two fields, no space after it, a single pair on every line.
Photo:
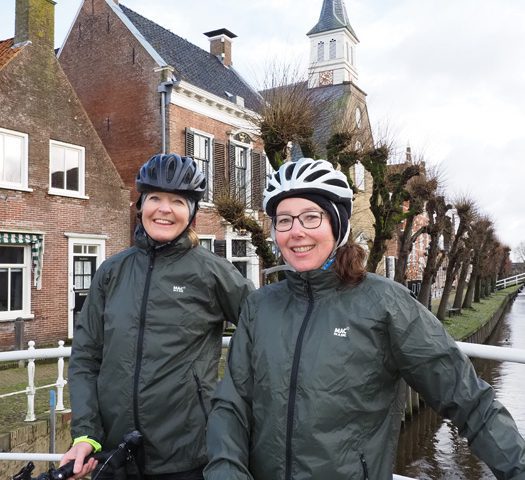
[171,173]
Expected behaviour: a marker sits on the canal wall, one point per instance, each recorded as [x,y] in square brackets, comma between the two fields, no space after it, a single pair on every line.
[34,437]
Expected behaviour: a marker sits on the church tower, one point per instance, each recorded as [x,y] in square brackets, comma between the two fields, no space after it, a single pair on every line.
[333,45]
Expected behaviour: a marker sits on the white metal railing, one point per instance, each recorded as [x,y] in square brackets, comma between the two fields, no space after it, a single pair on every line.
[509,281]
[489,352]
[31,354]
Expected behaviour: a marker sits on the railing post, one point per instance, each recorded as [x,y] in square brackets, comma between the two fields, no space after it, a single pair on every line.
[61,382]
[30,390]
[19,338]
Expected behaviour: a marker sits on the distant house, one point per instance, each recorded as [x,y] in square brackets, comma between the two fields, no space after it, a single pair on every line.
[63,206]
[149,91]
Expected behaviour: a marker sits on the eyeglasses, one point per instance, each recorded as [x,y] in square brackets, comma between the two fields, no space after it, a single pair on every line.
[309,220]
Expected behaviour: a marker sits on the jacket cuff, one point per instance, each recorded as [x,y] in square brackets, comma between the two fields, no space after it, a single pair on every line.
[96,446]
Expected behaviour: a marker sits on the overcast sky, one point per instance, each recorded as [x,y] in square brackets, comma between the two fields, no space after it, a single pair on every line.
[445,76]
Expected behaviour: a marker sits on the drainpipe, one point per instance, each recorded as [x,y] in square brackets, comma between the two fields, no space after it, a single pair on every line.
[164,89]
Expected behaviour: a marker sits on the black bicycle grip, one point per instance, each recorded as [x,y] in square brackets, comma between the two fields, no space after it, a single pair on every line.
[66,470]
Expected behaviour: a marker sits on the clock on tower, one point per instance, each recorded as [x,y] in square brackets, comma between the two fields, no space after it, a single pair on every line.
[326,77]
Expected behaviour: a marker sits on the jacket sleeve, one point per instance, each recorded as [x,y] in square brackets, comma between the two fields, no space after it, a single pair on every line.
[84,364]
[431,362]
[229,424]
[231,290]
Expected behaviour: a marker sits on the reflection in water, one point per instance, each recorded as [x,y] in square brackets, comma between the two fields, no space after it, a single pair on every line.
[430,447]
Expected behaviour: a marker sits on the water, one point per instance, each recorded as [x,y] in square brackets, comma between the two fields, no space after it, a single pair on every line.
[430,447]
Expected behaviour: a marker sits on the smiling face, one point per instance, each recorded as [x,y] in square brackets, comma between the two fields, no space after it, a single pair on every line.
[304,249]
[164,215]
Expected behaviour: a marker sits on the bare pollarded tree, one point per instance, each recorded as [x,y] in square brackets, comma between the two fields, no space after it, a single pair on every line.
[290,112]
[466,211]
[389,186]
[438,226]
[420,190]
[482,232]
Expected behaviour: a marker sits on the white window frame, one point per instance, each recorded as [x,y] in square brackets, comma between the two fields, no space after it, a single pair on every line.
[211,238]
[251,257]
[81,171]
[23,184]
[209,179]
[25,312]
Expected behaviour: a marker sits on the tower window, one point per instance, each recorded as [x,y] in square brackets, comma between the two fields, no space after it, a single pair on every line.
[320,51]
[332,48]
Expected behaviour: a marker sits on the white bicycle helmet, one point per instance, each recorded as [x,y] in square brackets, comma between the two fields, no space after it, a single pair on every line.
[307,176]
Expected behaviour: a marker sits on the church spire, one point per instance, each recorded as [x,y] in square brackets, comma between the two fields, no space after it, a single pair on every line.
[332,47]
[333,16]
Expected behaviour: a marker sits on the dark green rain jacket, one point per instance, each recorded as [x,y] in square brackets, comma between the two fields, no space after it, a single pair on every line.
[146,350]
[311,386]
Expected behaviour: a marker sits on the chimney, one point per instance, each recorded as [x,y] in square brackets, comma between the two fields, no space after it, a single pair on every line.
[35,22]
[221,44]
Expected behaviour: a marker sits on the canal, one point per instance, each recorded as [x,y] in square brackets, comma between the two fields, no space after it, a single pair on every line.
[430,447]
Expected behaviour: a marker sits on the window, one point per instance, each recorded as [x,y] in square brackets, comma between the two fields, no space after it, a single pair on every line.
[206,243]
[320,51]
[15,284]
[202,155]
[358,117]
[332,50]
[359,171]
[239,256]
[13,159]
[66,169]
[241,168]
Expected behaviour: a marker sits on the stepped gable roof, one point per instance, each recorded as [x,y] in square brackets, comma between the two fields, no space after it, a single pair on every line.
[333,16]
[193,64]
[7,52]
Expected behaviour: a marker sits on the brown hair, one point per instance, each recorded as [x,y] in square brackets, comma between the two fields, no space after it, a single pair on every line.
[350,263]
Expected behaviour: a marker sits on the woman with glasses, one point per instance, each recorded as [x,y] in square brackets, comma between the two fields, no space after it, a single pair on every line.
[315,364]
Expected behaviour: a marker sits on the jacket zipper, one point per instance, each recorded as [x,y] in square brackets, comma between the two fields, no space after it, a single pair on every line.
[293,382]
[199,393]
[364,465]
[140,340]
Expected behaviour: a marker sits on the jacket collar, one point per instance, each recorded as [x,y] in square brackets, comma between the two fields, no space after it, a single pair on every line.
[144,242]
[321,282]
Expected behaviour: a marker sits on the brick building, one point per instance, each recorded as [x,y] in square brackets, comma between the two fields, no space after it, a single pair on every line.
[148,90]
[63,206]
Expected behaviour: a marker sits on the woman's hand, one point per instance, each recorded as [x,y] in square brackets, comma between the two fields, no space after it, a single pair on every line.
[78,453]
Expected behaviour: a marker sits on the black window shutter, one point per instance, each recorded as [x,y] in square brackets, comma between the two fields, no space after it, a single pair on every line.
[256,181]
[189,143]
[219,247]
[231,163]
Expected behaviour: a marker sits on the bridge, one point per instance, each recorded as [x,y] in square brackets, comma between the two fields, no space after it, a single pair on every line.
[509,281]
[32,354]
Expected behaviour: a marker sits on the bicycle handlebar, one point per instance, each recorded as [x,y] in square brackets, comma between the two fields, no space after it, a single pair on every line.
[125,452]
